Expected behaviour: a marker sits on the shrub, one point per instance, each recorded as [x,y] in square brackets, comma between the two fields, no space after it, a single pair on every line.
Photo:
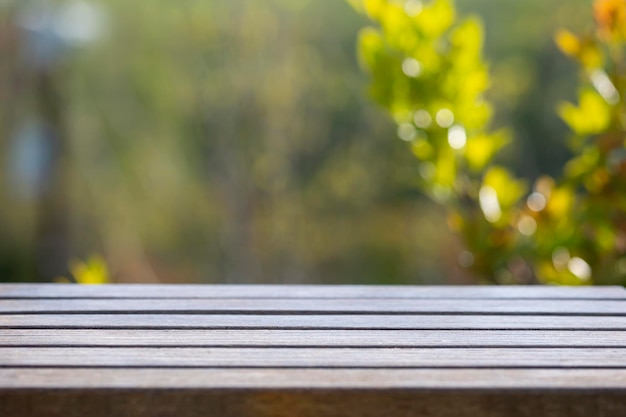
[428,72]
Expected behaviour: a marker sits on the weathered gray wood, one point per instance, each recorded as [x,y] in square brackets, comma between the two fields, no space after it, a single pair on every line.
[231,351]
[471,378]
[344,321]
[328,306]
[311,338]
[315,357]
[305,291]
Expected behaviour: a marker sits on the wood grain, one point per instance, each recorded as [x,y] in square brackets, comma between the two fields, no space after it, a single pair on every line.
[323,351]
[306,291]
[470,378]
[311,338]
[314,357]
[321,306]
[295,321]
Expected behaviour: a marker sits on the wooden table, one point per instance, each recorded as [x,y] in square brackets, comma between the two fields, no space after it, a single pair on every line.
[133,350]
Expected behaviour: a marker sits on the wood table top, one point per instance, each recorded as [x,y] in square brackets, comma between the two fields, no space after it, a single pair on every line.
[297,350]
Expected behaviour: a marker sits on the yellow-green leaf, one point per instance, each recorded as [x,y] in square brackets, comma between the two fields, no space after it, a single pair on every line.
[92,271]
[480,149]
[567,42]
[592,115]
[371,45]
[560,202]
[509,189]
[436,18]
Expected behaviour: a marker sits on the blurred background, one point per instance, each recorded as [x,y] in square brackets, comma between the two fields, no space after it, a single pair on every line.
[233,141]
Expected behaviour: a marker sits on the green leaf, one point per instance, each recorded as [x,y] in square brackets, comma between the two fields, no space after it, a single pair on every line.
[436,18]
[509,189]
[593,114]
[371,47]
[480,149]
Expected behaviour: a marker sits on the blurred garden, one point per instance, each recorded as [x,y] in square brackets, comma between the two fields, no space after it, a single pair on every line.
[303,141]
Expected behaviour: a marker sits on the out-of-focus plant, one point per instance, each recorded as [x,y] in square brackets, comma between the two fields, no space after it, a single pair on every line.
[93,270]
[203,141]
[427,70]
[589,215]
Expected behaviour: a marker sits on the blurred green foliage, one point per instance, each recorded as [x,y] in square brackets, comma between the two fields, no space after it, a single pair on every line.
[221,141]
[231,140]
[426,68]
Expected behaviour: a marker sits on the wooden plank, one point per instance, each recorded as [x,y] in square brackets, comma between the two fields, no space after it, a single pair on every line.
[264,402]
[305,291]
[315,357]
[320,306]
[344,321]
[312,338]
[549,379]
